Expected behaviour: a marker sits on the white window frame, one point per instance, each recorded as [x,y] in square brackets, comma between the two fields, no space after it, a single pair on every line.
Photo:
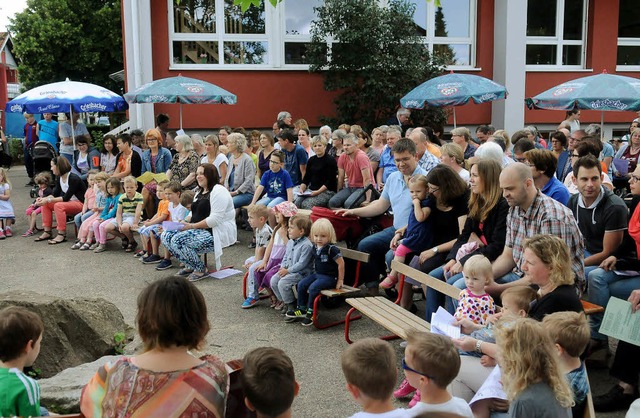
[221,38]
[628,42]
[560,42]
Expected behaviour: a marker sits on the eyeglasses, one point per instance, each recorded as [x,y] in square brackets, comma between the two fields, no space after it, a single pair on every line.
[433,189]
[529,164]
[520,160]
[151,139]
[406,367]
[274,162]
[575,155]
[634,178]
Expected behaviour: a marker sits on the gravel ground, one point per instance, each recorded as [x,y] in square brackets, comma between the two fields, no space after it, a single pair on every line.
[118,277]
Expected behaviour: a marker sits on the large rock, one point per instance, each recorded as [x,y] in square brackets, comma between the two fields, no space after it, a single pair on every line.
[61,393]
[76,331]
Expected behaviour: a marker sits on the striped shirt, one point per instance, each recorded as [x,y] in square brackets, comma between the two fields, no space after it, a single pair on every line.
[20,394]
[129,205]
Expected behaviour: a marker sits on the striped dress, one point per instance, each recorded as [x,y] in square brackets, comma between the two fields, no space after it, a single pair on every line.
[124,390]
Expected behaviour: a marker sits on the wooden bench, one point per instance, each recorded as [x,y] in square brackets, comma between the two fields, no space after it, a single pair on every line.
[345,291]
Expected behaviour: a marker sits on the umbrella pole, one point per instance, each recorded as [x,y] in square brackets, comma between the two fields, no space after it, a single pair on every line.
[454,118]
[180,115]
[601,125]
[73,131]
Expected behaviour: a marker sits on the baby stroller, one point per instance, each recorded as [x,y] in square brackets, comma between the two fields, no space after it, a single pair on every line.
[42,153]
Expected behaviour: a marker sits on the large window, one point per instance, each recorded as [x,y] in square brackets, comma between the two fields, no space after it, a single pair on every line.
[216,32]
[298,15]
[628,36]
[449,30]
[556,33]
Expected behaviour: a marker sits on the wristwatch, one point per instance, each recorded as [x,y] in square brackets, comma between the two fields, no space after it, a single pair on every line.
[435,250]
[478,344]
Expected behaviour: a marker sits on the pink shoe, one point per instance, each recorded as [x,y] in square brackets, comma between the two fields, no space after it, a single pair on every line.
[7,232]
[2,234]
[415,399]
[404,390]
[389,282]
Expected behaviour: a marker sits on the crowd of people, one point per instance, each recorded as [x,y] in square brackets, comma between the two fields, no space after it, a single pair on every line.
[524,227]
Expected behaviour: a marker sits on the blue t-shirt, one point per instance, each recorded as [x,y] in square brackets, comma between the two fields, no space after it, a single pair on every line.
[324,260]
[387,163]
[276,184]
[48,131]
[292,162]
[556,190]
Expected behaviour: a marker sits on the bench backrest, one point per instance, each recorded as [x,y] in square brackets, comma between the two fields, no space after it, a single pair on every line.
[425,279]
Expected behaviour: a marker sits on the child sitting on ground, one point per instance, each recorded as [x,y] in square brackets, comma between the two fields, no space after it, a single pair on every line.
[177,213]
[474,303]
[369,386]
[296,264]
[257,218]
[149,229]
[329,269]
[275,252]
[43,180]
[570,333]
[89,201]
[430,363]
[85,232]
[20,337]
[128,214]
[418,233]
[269,382]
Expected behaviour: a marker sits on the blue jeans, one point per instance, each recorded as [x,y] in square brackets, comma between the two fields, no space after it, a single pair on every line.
[349,197]
[242,199]
[603,285]
[270,202]
[458,281]
[377,246]
[79,218]
[309,288]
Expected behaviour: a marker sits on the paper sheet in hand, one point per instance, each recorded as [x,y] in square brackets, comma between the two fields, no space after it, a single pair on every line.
[491,388]
[172,226]
[442,323]
[296,191]
[619,322]
[224,273]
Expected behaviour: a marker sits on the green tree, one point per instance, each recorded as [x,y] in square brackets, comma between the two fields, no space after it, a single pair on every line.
[375,58]
[78,39]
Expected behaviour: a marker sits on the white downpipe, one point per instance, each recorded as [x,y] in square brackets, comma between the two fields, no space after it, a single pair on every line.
[137,63]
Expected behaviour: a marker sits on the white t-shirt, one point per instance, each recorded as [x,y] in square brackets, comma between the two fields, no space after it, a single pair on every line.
[396,413]
[178,213]
[220,158]
[64,186]
[453,406]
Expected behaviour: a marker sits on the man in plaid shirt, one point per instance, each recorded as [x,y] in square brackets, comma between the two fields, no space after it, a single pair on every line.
[532,213]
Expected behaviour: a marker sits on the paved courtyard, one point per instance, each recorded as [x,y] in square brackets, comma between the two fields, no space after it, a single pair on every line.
[118,277]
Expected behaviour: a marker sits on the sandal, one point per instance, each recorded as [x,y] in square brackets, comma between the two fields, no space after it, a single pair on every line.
[85,247]
[125,243]
[274,301]
[56,241]
[389,282]
[45,236]
[279,305]
[131,246]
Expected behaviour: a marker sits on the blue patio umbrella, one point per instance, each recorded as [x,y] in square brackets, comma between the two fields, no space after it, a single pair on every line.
[603,92]
[67,96]
[453,90]
[181,90]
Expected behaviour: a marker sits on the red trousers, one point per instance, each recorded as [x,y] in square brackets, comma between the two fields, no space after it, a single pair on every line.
[62,210]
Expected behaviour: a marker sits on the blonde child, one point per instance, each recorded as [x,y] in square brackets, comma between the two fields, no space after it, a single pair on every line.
[418,232]
[149,229]
[296,264]
[85,232]
[177,213]
[128,214]
[570,334]
[532,376]
[274,253]
[21,334]
[258,215]
[43,180]
[7,216]
[99,226]
[474,303]
[430,364]
[89,201]
[369,386]
[328,269]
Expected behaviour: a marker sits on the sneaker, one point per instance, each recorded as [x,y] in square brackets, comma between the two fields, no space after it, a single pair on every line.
[94,246]
[184,272]
[307,321]
[152,259]
[140,254]
[77,245]
[28,233]
[7,232]
[164,265]
[389,282]
[404,390]
[196,276]
[100,248]
[85,247]
[614,400]
[2,234]
[249,303]
[252,245]
[294,315]
[415,399]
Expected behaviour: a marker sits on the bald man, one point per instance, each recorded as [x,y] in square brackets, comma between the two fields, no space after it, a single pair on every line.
[531,213]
